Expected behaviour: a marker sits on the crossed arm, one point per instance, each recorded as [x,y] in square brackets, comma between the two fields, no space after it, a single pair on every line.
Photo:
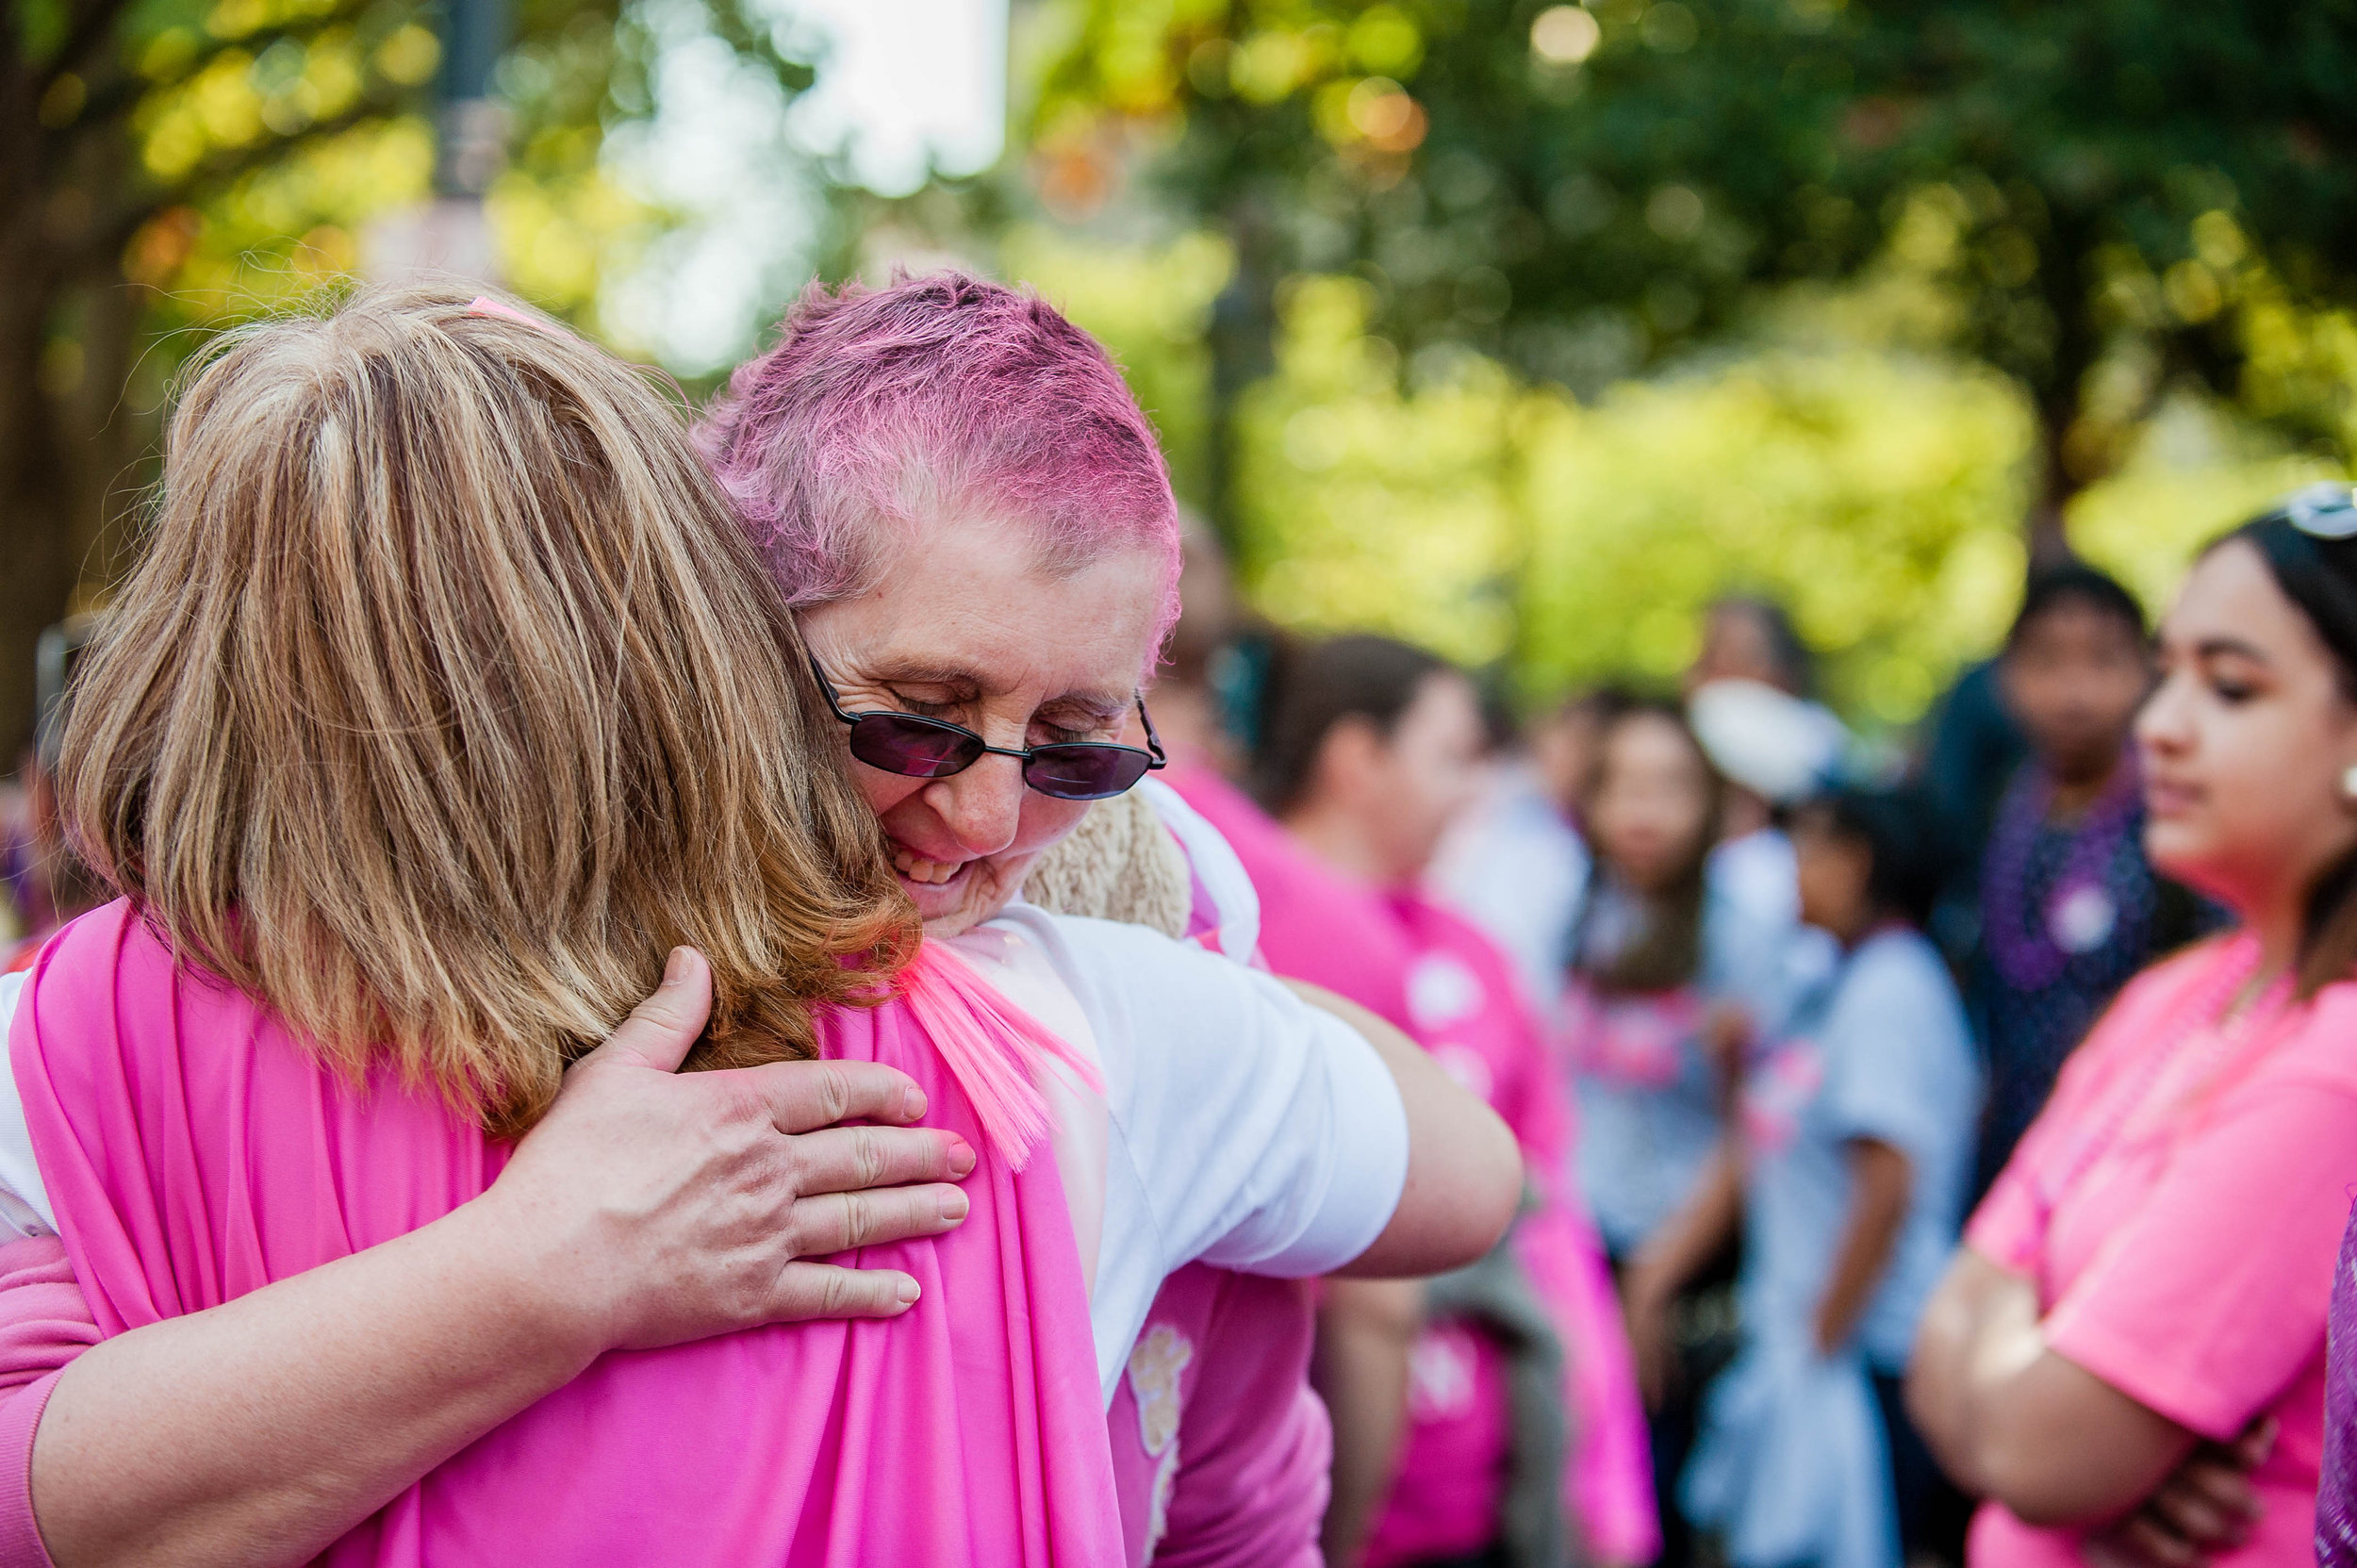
[2012,1420]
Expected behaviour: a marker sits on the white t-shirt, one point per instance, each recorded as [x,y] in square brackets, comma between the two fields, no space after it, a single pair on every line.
[1240,1126]
[1226,883]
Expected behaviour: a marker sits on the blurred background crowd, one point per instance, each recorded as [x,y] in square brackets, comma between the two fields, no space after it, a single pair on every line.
[1681,485]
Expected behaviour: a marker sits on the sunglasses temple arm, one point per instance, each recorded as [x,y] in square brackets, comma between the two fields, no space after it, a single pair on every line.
[1153,741]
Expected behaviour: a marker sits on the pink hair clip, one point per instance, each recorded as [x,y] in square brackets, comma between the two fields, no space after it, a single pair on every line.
[483,305]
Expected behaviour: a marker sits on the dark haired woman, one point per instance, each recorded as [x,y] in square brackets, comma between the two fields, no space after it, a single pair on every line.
[2070,907]
[1847,1171]
[2150,1274]
[1372,747]
[1659,960]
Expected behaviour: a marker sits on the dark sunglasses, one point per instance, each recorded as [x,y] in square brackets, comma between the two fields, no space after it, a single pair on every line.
[916,747]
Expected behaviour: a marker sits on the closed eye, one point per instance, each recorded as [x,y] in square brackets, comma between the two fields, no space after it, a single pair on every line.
[924,709]
[1056,735]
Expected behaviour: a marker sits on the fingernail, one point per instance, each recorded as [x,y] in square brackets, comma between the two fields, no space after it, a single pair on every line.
[675,967]
[960,1156]
[954,1207]
[913,1102]
[909,1291]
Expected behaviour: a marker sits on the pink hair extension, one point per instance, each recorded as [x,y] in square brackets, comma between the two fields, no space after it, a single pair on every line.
[941,393]
[996,1050]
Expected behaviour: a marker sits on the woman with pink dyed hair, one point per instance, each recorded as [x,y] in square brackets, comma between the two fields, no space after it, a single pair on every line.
[972,518]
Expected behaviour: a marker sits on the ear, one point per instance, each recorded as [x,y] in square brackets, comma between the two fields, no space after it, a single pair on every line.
[1348,756]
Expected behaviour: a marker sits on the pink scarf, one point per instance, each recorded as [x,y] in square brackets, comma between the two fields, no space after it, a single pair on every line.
[193,1153]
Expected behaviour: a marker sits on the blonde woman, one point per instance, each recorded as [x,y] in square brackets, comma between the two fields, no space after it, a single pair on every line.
[445,704]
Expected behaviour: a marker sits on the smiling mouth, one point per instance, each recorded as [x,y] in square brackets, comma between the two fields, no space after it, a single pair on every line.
[926,873]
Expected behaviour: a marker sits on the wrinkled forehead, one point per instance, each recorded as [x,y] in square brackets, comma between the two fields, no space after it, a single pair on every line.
[981,604]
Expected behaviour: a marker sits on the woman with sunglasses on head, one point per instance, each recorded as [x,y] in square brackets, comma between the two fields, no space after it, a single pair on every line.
[600,599]
[2146,1284]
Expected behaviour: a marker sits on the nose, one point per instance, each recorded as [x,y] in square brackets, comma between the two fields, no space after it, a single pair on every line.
[981,806]
[2162,724]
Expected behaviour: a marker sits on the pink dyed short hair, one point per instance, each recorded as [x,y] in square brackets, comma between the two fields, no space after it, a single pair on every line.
[936,395]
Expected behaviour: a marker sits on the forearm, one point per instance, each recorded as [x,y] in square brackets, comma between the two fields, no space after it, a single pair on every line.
[1366,1328]
[261,1431]
[2011,1420]
[1464,1169]
[1881,1180]
[1685,1244]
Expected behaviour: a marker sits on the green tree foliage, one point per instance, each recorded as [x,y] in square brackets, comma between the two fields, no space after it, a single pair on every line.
[2116,198]
[1873,494]
[120,117]
[170,166]
[1879,493]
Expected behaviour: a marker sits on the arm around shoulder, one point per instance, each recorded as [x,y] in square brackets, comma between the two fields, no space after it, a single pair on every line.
[1464,1170]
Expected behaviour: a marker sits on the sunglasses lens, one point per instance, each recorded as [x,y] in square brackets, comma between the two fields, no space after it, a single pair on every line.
[1083,771]
[899,743]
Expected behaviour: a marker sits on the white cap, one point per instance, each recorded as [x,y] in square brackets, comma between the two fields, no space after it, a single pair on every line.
[1771,743]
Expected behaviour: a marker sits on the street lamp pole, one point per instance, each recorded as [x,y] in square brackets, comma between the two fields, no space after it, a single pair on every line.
[448,235]
[470,123]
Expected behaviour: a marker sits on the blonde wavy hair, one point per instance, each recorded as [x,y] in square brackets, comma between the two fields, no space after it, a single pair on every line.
[449,696]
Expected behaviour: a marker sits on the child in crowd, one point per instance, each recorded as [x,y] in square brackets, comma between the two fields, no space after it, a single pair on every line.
[2070,907]
[1524,1431]
[1665,977]
[1846,1171]
[1662,971]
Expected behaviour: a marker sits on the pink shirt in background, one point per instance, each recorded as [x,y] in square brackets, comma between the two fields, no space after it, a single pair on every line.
[1319,926]
[1315,926]
[1221,1449]
[1462,993]
[2178,1205]
[1448,1489]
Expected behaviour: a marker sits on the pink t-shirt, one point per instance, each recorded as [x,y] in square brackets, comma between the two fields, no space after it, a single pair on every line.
[1449,1480]
[1221,1449]
[2178,1205]
[1453,1474]
[183,1178]
[1315,926]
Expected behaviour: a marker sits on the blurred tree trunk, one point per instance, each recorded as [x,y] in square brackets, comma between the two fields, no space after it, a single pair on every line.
[2046,542]
[37,564]
[74,193]
[2059,387]
[1243,340]
[68,203]
[38,579]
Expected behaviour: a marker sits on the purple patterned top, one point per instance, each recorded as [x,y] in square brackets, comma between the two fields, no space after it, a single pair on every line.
[2336,1490]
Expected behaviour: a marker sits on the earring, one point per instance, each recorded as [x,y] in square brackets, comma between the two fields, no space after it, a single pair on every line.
[2349,784]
